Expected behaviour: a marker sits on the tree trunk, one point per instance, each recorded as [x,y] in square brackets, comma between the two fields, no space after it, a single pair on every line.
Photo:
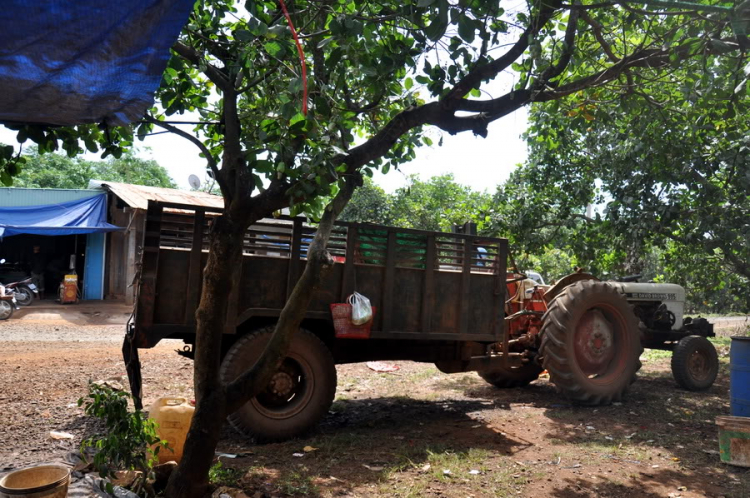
[190,478]
[215,401]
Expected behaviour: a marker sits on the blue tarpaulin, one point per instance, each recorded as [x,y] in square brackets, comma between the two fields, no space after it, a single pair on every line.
[68,62]
[68,218]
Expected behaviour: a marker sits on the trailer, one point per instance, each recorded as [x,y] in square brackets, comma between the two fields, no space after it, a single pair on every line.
[439,298]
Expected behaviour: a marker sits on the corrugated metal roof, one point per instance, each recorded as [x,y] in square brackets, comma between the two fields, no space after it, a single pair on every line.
[16,197]
[137,196]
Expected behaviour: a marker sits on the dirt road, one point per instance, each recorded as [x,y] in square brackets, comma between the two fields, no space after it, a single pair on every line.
[415,432]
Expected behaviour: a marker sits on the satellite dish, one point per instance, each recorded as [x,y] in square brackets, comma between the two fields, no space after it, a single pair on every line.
[194,182]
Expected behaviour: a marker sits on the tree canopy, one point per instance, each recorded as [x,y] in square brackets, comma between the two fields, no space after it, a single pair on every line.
[436,204]
[60,171]
[378,74]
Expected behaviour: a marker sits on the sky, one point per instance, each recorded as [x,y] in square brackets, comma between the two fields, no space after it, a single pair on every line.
[481,163]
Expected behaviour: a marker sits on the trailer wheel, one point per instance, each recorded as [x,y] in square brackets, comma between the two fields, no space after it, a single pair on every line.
[6,309]
[512,377]
[297,397]
[695,363]
[591,343]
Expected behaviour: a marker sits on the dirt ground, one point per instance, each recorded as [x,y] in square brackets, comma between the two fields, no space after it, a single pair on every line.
[414,432]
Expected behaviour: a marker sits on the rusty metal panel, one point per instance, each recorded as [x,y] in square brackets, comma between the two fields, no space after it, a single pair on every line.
[171,281]
[407,301]
[138,196]
[425,285]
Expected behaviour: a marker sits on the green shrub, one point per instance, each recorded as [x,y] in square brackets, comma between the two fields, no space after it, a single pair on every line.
[129,442]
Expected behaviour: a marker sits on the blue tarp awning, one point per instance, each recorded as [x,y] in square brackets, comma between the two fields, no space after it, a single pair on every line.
[68,218]
[69,62]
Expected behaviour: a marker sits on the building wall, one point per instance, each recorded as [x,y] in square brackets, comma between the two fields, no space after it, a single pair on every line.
[15,197]
[123,250]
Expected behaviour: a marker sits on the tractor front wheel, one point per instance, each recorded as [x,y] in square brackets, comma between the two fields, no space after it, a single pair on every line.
[512,377]
[695,363]
[591,343]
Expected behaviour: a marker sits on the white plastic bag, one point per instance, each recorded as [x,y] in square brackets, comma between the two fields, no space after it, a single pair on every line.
[361,309]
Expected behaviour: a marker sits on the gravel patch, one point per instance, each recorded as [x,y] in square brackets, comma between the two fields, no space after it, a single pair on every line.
[12,331]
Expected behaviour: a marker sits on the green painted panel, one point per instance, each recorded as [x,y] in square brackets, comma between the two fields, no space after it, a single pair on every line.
[13,197]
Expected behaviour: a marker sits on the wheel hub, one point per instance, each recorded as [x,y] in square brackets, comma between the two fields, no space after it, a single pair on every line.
[594,343]
[698,366]
[281,384]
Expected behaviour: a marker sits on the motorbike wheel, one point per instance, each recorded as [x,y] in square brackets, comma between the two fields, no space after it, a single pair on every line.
[24,295]
[6,309]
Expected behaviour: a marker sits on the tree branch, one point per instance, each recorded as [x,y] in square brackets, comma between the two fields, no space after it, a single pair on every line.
[319,263]
[596,28]
[212,72]
[492,69]
[210,159]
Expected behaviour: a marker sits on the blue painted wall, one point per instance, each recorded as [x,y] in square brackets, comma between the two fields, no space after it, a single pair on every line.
[93,283]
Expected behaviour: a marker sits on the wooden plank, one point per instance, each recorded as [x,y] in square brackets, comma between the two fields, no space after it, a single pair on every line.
[294,261]
[463,310]
[428,296]
[149,268]
[349,276]
[388,282]
[195,268]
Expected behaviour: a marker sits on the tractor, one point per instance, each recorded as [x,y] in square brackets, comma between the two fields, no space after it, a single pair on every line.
[589,334]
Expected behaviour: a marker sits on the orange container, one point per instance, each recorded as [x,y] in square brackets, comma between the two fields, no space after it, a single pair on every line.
[343,326]
[173,416]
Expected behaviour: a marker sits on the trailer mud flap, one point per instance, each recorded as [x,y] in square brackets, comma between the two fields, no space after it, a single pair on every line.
[133,367]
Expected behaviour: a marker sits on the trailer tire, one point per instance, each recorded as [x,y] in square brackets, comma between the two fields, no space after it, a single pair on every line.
[512,377]
[307,377]
[695,363]
[591,343]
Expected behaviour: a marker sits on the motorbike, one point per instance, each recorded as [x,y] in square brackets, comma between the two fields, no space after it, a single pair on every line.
[8,303]
[25,291]
[22,287]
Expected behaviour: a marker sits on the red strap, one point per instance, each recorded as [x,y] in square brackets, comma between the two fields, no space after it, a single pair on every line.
[301,57]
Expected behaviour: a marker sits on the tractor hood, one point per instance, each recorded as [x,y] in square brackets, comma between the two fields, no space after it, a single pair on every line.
[636,291]
[672,295]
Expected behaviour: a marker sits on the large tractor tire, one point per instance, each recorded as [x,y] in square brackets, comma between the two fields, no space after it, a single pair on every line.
[695,363]
[591,343]
[298,395]
[512,377]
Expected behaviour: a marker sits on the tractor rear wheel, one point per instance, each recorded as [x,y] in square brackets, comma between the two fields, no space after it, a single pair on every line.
[591,343]
[695,363]
[512,377]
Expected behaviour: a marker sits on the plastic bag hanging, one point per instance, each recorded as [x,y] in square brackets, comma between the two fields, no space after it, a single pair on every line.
[361,309]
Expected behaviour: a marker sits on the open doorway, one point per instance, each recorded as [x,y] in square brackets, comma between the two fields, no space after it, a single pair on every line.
[54,257]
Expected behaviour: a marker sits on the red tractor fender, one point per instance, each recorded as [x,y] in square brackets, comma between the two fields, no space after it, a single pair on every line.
[564,282]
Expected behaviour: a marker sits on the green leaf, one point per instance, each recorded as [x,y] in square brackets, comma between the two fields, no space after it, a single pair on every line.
[425,3]
[244,35]
[437,27]
[466,29]
[275,49]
